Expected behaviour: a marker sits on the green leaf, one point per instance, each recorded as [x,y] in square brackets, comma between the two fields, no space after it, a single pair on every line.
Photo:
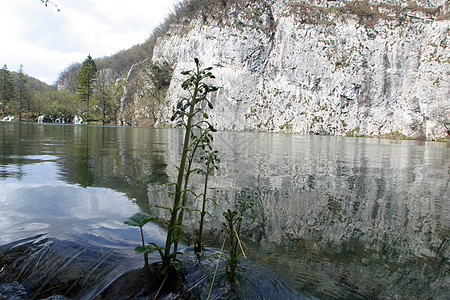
[139,219]
[139,249]
[176,264]
[176,227]
[160,250]
[174,254]
[164,222]
[148,249]
[163,207]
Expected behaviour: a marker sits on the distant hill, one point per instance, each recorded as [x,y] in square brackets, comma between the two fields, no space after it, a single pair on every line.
[34,84]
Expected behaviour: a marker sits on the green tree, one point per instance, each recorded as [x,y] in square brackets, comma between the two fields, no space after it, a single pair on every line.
[22,91]
[6,89]
[86,80]
[103,87]
[58,102]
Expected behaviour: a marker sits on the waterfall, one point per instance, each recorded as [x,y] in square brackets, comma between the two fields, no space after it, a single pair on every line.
[77,120]
[8,118]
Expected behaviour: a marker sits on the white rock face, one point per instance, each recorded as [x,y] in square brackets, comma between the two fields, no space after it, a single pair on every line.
[321,69]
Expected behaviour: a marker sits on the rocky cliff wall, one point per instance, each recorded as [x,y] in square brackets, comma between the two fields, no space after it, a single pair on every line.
[323,67]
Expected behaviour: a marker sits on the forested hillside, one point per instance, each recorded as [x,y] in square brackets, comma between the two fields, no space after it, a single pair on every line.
[17,89]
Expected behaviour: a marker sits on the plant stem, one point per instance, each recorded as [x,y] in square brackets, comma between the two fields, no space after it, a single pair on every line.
[142,236]
[183,204]
[178,192]
[199,247]
[143,245]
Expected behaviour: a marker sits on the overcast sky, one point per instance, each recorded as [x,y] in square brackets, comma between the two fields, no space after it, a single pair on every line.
[45,42]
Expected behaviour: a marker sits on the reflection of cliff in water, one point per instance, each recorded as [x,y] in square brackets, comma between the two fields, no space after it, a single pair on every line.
[370,214]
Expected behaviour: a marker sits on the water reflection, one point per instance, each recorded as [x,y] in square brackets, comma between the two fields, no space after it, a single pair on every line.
[346,217]
[84,173]
[343,217]
[69,180]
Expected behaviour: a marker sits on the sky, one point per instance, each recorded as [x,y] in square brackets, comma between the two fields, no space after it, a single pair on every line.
[46,41]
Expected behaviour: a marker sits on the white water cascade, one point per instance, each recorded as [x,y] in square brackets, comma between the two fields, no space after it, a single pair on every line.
[77,120]
[8,118]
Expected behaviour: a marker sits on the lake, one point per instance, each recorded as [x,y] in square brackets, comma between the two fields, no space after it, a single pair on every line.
[332,217]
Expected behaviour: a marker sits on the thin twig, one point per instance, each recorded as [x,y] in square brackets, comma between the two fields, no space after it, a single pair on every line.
[157,293]
[217,266]
[240,244]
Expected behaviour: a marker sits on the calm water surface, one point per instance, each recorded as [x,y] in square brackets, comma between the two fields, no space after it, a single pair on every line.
[332,217]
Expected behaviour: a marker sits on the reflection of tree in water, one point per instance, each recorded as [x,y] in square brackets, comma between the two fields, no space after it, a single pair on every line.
[118,158]
[84,173]
[142,161]
[12,150]
[6,150]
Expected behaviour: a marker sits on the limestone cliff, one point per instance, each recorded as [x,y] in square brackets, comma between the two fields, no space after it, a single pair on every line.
[322,67]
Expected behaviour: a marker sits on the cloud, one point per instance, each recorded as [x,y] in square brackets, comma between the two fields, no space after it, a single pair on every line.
[45,42]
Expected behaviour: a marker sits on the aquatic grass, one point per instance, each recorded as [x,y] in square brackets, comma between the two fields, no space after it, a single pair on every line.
[59,266]
[22,272]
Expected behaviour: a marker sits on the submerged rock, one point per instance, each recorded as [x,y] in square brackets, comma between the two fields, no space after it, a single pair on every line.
[13,291]
[16,291]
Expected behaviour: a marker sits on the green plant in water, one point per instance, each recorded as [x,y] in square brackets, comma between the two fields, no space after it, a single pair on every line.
[232,227]
[201,138]
[197,135]
[187,110]
[139,219]
[210,159]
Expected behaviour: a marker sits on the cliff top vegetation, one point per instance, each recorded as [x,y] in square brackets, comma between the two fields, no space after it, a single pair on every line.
[310,12]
